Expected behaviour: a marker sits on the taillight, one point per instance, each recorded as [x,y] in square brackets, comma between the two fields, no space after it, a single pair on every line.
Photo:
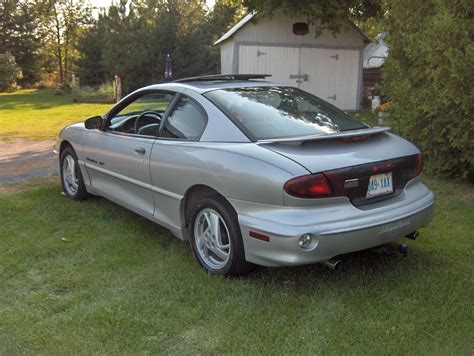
[353,138]
[309,186]
[418,166]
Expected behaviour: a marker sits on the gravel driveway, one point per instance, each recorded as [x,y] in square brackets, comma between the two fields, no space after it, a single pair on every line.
[24,159]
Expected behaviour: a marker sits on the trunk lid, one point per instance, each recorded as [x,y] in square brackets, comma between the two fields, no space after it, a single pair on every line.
[355,161]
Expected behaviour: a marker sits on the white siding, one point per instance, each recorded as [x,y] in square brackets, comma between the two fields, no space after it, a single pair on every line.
[227,55]
[268,46]
[347,74]
[279,29]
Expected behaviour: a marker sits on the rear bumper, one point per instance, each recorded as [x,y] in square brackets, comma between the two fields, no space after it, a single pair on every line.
[339,227]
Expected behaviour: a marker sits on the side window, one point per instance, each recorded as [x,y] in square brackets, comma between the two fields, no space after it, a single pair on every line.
[186,122]
[142,116]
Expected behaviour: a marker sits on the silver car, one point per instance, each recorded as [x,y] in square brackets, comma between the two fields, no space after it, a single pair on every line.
[249,172]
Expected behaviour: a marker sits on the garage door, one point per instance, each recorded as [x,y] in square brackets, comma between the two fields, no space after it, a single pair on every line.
[331,74]
[280,62]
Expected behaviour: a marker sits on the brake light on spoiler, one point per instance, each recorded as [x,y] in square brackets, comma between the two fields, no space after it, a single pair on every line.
[334,183]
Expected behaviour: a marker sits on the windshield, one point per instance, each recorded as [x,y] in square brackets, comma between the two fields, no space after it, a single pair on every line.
[281,112]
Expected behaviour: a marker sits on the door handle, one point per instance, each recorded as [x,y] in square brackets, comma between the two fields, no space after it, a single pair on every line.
[140,150]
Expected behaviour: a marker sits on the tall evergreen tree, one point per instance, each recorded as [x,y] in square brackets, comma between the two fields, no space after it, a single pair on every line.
[90,46]
[132,40]
[19,36]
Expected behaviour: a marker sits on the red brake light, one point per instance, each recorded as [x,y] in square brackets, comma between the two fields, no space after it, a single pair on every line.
[354,138]
[310,186]
[418,166]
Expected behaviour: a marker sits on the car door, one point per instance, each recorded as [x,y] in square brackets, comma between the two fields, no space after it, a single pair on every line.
[118,158]
[174,156]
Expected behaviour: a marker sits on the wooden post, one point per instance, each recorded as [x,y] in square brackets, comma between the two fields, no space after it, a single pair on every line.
[380,118]
[168,68]
[117,88]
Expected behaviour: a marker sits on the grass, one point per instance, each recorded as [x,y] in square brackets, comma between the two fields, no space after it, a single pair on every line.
[40,115]
[90,277]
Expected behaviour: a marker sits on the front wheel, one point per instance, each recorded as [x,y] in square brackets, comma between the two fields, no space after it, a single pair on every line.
[71,177]
[216,240]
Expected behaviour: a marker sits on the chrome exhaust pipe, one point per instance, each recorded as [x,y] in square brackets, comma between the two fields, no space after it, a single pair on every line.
[333,263]
[413,235]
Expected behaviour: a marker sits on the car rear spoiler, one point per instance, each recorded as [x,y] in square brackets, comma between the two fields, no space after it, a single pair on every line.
[345,134]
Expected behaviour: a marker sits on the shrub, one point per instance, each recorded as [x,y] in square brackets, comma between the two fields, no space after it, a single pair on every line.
[429,75]
[88,94]
[10,72]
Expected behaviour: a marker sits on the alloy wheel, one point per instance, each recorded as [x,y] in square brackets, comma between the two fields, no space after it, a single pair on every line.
[212,238]
[71,183]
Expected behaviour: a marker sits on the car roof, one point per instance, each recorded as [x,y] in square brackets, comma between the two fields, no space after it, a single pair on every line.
[202,87]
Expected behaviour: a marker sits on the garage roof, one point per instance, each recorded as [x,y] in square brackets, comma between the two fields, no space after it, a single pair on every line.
[236,27]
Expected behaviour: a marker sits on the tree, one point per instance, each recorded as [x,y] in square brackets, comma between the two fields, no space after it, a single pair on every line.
[429,75]
[19,36]
[127,46]
[62,22]
[10,72]
[222,17]
[132,40]
[90,47]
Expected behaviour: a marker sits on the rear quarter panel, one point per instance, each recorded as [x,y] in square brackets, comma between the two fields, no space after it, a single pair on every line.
[239,171]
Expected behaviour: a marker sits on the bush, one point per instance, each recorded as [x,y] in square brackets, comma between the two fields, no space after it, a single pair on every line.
[10,72]
[429,76]
[88,94]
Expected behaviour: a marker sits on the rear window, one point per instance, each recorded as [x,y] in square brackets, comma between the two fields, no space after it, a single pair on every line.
[282,112]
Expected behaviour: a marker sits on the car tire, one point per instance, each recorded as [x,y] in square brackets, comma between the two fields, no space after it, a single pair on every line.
[214,227]
[71,176]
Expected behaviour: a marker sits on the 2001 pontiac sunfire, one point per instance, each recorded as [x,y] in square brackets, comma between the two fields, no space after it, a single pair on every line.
[248,171]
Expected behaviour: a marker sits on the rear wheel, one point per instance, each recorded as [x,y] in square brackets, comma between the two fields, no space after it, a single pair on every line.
[216,239]
[71,177]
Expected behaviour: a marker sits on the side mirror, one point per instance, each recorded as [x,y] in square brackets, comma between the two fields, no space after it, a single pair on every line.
[94,122]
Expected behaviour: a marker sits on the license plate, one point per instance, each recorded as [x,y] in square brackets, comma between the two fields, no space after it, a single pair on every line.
[380,184]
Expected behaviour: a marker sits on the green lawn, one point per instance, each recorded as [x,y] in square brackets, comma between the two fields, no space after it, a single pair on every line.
[90,277]
[39,115]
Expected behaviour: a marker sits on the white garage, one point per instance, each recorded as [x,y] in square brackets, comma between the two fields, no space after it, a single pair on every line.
[328,66]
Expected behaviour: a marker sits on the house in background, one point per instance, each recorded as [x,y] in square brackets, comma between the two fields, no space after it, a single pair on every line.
[375,55]
[329,66]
